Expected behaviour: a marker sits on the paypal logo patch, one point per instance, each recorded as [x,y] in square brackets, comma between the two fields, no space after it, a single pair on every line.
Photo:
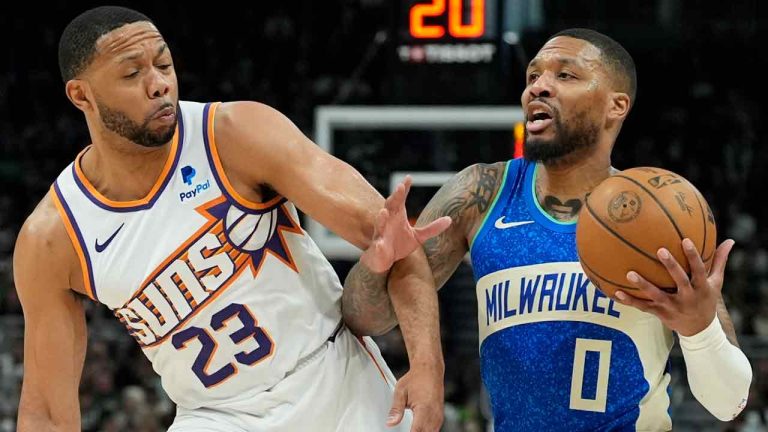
[187,174]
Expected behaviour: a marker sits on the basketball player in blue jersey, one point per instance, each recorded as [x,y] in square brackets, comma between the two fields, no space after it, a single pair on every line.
[557,354]
[179,217]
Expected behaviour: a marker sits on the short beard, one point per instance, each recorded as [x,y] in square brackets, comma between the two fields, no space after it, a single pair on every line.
[141,134]
[580,135]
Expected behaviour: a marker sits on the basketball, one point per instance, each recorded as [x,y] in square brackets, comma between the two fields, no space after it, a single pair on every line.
[632,214]
[236,227]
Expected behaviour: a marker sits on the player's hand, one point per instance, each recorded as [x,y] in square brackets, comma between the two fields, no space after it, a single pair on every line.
[694,306]
[394,238]
[420,390]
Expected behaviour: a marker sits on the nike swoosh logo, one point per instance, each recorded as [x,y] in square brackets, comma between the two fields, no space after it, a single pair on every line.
[500,224]
[101,247]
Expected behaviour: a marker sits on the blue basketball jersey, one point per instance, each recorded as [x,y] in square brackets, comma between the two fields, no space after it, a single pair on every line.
[556,353]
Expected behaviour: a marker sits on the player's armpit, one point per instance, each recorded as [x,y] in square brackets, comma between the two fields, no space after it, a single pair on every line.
[54,325]
[466,198]
[260,146]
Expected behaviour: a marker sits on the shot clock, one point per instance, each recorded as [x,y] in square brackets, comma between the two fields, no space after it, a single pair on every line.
[448,31]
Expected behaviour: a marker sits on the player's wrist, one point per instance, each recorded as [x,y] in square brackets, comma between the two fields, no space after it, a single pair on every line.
[711,335]
[432,363]
[374,266]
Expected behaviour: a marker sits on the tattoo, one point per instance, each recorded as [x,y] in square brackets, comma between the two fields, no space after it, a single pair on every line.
[365,303]
[485,187]
[725,321]
[465,198]
[562,211]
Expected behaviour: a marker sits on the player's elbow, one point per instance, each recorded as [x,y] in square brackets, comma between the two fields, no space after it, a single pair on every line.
[30,420]
[368,327]
[727,405]
[34,416]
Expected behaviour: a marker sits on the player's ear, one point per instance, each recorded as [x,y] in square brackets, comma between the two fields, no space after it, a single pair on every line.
[77,92]
[618,106]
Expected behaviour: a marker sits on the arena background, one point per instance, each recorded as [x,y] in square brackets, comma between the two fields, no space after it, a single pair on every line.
[701,68]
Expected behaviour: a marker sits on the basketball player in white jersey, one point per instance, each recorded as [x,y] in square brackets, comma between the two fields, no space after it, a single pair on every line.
[179,217]
[556,353]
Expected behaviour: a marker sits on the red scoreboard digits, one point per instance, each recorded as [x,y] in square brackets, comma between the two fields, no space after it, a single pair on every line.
[462,23]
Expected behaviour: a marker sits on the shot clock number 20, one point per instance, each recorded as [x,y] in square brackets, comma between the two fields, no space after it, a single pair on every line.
[466,19]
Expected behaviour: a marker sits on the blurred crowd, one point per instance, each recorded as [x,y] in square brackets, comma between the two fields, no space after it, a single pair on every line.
[700,118]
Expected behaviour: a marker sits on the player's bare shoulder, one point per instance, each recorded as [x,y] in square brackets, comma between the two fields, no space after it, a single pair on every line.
[249,131]
[43,245]
[467,197]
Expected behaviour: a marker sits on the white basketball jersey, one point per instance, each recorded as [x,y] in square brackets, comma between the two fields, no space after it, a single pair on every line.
[225,296]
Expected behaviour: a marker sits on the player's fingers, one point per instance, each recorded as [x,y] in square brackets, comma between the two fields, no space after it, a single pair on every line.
[654,294]
[380,223]
[434,229]
[398,406]
[721,257]
[698,271]
[407,186]
[396,199]
[626,299]
[675,270]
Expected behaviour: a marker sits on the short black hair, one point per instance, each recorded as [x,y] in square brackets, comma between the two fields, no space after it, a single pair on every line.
[615,57]
[78,41]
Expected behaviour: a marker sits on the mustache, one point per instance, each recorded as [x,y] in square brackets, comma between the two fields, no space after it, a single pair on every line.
[154,113]
[555,112]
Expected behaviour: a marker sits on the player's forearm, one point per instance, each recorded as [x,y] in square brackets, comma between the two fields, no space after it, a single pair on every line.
[726,322]
[414,297]
[365,303]
[719,374]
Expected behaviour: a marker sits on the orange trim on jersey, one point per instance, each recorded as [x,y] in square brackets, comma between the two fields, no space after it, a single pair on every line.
[200,307]
[152,192]
[220,169]
[373,359]
[241,261]
[194,237]
[75,243]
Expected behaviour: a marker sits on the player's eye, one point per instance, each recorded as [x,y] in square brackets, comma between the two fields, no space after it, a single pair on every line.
[565,76]
[164,66]
[532,77]
[131,75]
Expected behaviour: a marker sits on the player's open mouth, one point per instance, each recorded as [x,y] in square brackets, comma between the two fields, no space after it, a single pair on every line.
[539,121]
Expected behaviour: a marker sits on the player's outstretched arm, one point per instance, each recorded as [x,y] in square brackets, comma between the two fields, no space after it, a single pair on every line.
[260,146]
[464,200]
[54,324]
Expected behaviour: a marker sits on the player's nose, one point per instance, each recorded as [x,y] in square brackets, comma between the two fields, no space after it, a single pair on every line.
[159,85]
[542,87]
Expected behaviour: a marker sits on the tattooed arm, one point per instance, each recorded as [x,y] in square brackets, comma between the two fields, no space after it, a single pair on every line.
[464,198]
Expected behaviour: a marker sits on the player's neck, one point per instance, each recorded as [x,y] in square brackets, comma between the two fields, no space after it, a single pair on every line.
[562,188]
[124,171]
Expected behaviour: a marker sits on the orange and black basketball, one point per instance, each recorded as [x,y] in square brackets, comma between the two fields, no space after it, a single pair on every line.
[632,214]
